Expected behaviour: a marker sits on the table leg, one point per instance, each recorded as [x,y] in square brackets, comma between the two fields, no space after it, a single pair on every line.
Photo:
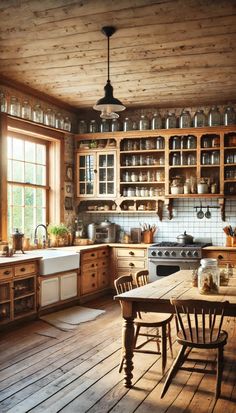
[128,339]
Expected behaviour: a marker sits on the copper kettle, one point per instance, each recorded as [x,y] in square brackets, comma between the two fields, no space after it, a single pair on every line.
[17,241]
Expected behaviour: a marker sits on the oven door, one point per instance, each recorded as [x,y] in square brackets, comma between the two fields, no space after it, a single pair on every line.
[162,268]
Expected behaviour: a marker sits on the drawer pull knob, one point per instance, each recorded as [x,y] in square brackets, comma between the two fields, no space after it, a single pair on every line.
[93,285]
[93,275]
[131,253]
[92,255]
[22,269]
[131,264]
[7,272]
[220,257]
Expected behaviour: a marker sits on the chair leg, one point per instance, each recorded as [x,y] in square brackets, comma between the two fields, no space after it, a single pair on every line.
[164,348]
[220,364]
[169,337]
[158,341]
[173,370]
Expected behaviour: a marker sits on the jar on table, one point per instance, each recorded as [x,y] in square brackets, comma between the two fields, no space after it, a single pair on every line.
[214,116]
[171,121]
[185,119]
[208,276]
[229,116]
[199,119]
[156,122]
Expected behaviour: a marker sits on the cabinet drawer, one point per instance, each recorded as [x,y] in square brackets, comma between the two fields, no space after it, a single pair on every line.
[88,266]
[87,256]
[102,263]
[131,264]
[89,282]
[103,253]
[6,273]
[232,257]
[219,255]
[129,252]
[25,269]
[103,278]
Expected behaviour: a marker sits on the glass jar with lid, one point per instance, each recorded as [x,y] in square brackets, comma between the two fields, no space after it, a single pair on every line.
[67,124]
[199,119]
[206,159]
[37,114]
[49,117]
[156,122]
[127,125]
[215,157]
[104,126]
[26,110]
[176,159]
[93,126]
[143,123]
[82,126]
[115,125]
[185,119]
[208,276]
[229,116]
[59,121]
[160,143]
[14,106]
[191,142]
[176,142]
[3,102]
[214,116]
[171,121]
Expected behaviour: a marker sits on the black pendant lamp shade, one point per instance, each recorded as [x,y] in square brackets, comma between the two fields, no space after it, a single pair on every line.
[108,105]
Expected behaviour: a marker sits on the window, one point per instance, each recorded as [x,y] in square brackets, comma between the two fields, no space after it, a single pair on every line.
[27,183]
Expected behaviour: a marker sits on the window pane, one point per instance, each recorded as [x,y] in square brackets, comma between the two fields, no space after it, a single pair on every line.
[9,170]
[30,173]
[29,196]
[18,195]
[41,154]
[40,198]
[39,216]
[17,221]
[18,171]
[9,223]
[30,151]
[18,149]
[110,174]
[9,194]
[110,160]
[29,221]
[40,175]
[9,147]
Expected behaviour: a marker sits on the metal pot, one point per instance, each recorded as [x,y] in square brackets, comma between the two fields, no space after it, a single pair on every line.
[185,238]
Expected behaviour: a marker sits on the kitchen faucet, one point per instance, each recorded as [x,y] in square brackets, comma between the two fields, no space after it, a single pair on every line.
[45,238]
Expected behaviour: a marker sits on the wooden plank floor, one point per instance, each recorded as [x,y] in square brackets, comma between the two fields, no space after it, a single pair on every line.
[46,370]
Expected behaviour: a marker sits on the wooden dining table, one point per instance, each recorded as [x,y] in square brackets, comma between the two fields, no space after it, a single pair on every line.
[155,298]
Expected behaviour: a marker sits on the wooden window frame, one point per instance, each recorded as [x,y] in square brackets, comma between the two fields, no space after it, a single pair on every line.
[56,161]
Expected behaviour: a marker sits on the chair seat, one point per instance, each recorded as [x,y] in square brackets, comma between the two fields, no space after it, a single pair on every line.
[153,320]
[199,343]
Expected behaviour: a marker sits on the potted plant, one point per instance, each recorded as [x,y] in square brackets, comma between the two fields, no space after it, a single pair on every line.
[58,234]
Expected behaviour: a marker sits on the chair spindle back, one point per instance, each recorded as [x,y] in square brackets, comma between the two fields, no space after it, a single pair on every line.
[142,278]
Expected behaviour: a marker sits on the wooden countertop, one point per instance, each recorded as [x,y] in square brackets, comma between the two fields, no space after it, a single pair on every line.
[18,258]
[220,248]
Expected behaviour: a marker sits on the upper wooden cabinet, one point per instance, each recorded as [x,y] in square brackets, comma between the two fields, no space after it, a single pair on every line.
[153,165]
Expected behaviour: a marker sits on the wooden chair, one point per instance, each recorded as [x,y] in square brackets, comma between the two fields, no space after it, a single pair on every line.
[147,320]
[200,325]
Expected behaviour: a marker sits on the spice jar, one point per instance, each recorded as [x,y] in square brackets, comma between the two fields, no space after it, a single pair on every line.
[208,276]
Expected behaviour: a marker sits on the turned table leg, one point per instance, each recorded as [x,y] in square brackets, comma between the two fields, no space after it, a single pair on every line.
[128,338]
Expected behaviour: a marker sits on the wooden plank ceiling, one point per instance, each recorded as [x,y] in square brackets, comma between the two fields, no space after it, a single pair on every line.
[165,53]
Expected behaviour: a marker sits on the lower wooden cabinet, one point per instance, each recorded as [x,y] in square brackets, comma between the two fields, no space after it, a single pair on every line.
[18,298]
[127,261]
[223,256]
[58,288]
[95,271]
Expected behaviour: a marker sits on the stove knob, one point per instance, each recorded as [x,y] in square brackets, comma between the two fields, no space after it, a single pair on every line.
[167,253]
[153,253]
[173,253]
[195,253]
[183,253]
[189,254]
[159,253]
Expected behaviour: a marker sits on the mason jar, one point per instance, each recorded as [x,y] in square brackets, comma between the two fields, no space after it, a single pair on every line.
[143,123]
[67,124]
[14,106]
[176,142]
[127,125]
[171,121]
[208,276]
[160,143]
[115,126]
[191,142]
[199,119]
[38,114]
[104,126]
[156,122]
[229,116]
[214,116]
[49,117]
[26,110]
[59,121]
[185,119]
[3,102]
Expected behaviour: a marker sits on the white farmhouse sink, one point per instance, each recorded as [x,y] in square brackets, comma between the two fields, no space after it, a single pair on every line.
[54,261]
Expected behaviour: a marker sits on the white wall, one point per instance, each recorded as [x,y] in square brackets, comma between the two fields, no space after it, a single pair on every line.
[184,220]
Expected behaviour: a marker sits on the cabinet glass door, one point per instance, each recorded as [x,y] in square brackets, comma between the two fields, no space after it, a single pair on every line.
[86,166]
[106,174]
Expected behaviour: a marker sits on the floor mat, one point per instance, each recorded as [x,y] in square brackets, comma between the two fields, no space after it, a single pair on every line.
[70,318]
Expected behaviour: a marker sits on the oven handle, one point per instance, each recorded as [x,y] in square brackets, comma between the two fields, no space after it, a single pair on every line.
[157,261]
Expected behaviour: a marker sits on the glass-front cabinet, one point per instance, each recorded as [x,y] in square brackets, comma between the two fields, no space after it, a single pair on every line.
[96,174]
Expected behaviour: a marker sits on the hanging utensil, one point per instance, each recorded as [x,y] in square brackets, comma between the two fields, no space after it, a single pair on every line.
[200,213]
[208,213]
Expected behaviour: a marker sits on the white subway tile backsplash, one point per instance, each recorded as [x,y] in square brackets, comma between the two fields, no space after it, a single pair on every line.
[184,220]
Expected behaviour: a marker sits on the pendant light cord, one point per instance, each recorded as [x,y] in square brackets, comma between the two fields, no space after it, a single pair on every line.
[108,59]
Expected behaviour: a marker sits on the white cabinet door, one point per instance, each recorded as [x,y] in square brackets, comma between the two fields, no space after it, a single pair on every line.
[49,291]
[68,285]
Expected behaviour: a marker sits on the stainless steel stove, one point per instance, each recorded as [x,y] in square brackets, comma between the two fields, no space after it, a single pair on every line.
[165,258]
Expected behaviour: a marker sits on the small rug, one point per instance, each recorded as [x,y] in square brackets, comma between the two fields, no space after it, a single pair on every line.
[70,318]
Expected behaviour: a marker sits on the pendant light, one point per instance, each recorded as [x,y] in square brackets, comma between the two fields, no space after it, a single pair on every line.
[108,105]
